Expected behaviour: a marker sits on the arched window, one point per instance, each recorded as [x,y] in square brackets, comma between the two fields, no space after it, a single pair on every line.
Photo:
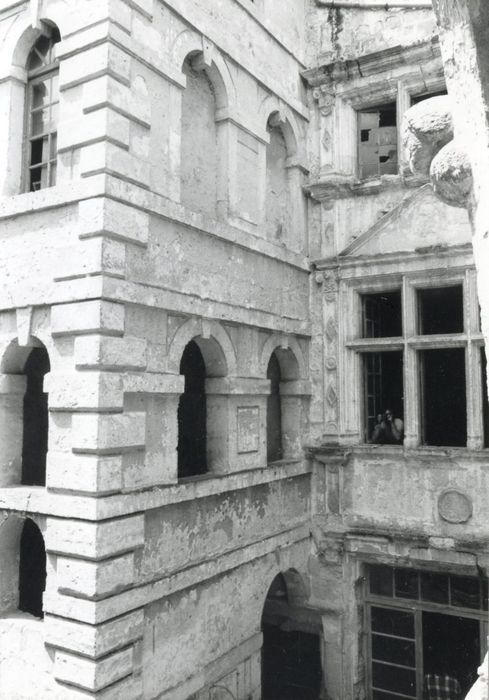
[192,414]
[199,153]
[35,419]
[42,113]
[274,412]
[32,569]
[277,195]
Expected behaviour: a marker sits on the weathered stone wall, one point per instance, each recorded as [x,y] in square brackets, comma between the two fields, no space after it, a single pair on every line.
[155,234]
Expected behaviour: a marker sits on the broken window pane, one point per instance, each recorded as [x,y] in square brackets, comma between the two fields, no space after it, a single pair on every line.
[378,141]
[440,310]
[406,583]
[434,588]
[465,592]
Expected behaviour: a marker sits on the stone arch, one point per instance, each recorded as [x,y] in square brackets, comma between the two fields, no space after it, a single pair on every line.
[290,357]
[23,413]
[22,36]
[18,582]
[214,343]
[291,638]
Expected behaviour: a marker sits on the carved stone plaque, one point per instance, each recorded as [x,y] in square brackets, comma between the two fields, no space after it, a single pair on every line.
[454,506]
[248,423]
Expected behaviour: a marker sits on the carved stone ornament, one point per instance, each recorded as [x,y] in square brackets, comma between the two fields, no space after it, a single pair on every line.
[325,97]
[454,506]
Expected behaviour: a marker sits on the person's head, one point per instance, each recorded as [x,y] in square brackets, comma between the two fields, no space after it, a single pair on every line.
[388,413]
[380,417]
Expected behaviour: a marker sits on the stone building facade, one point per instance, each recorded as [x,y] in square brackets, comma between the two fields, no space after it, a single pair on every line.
[207,228]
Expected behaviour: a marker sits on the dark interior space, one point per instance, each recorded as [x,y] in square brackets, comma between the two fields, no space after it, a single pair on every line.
[444,408]
[192,414]
[485,401]
[388,114]
[291,665]
[274,412]
[415,99]
[291,659]
[451,646]
[382,315]
[35,423]
[32,569]
[440,310]
[384,387]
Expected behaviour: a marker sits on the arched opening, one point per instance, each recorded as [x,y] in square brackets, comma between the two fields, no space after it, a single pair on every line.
[192,414]
[274,412]
[277,188]
[199,153]
[35,419]
[291,666]
[32,569]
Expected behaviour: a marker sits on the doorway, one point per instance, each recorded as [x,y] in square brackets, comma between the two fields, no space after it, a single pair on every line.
[291,656]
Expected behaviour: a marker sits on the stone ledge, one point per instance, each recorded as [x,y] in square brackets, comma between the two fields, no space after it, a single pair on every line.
[36,499]
[96,612]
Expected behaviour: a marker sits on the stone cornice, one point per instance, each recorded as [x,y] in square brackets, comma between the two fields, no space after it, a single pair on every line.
[371,64]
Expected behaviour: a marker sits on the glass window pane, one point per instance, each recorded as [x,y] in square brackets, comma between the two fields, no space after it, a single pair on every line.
[434,588]
[399,680]
[54,117]
[52,175]
[406,583]
[465,592]
[396,651]
[380,578]
[384,391]
[53,150]
[40,122]
[440,310]
[54,87]
[40,94]
[390,621]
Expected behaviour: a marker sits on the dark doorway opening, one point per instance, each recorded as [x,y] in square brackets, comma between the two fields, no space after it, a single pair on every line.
[192,415]
[291,657]
[274,412]
[32,569]
[451,646]
[35,422]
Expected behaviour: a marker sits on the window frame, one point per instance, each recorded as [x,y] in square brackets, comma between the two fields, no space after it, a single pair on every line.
[34,77]
[411,343]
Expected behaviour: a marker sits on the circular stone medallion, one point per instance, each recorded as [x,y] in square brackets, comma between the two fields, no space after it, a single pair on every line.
[454,506]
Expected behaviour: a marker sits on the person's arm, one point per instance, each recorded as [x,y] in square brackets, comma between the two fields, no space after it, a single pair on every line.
[397,427]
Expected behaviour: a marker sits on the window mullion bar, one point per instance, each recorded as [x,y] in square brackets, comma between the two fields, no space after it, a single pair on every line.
[418,632]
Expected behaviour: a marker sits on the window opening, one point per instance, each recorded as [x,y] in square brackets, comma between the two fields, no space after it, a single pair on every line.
[377,147]
[440,310]
[274,412]
[382,315]
[415,99]
[35,420]
[192,414]
[32,569]
[42,112]
[414,639]
[443,397]
[384,397]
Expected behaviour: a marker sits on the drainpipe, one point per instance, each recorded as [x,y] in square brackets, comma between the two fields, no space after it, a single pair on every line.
[379,4]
